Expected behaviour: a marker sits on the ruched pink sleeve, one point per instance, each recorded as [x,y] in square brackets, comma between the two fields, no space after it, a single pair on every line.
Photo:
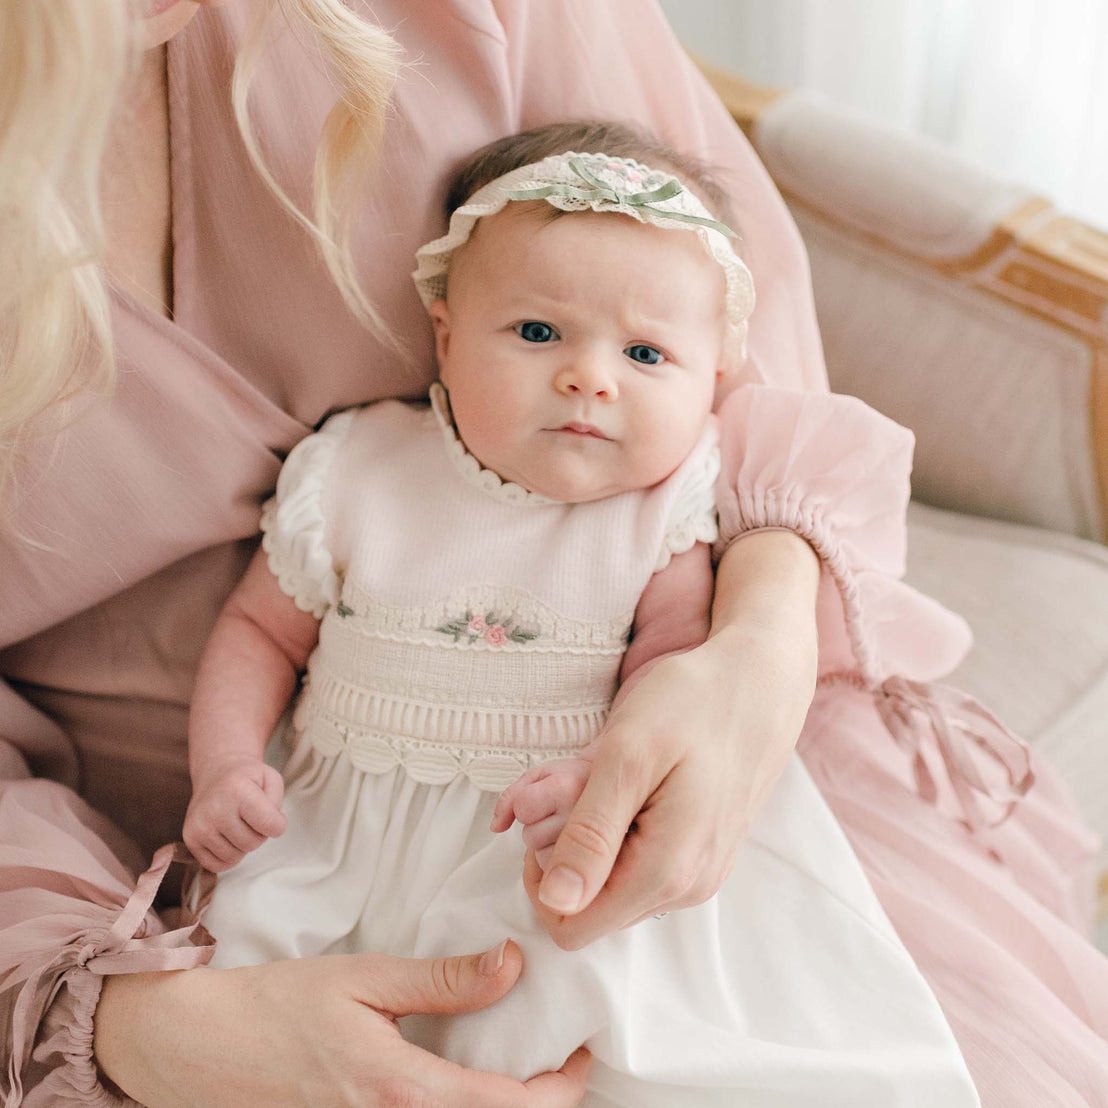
[70,914]
[835,472]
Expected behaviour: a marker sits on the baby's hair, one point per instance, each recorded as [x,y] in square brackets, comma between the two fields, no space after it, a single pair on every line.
[586,137]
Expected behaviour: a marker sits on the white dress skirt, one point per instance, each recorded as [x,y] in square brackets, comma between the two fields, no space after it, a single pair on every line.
[789,987]
[470,629]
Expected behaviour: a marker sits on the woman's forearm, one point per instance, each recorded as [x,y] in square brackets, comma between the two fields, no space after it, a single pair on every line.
[764,623]
[693,751]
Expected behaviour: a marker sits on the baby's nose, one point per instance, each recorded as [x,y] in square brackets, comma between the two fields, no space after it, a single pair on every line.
[586,378]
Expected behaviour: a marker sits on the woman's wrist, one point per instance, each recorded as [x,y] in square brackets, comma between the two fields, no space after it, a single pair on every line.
[132,1011]
[767,582]
[764,618]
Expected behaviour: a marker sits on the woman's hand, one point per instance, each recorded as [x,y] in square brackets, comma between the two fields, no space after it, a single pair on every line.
[317,1032]
[689,756]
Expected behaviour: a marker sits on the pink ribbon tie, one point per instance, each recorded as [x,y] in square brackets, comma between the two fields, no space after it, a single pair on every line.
[115,950]
[959,724]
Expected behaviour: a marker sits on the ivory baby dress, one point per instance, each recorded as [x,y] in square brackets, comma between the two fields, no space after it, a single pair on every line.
[470,628]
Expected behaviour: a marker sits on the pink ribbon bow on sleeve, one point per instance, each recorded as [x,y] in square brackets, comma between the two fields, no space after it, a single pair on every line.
[959,724]
[113,950]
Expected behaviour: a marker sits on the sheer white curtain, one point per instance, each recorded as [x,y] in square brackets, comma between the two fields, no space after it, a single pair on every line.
[1019,86]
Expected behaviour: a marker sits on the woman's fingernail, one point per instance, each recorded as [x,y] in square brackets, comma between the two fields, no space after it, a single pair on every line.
[492,960]
[562,889]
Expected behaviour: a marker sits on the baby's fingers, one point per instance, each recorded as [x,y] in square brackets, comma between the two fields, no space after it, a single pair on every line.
[214,851]
[539,836]
[505,814]
[241,836]
[273,784]
[556,793]
[261,814]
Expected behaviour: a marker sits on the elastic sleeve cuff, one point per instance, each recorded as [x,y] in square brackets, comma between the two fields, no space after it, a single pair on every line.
[66,1040]
[836,473]
[71,913]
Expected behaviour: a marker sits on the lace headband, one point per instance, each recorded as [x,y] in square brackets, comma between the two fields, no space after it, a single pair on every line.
[601,183]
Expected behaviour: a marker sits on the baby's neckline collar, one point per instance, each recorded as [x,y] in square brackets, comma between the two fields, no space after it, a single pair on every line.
[488,481]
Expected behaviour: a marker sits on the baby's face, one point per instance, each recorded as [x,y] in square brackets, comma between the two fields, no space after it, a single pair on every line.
[581,353]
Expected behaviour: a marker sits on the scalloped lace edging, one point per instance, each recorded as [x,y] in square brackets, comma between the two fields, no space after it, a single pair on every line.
[686,535]
[301,589]
[376,753]
[696,507]
[470,468]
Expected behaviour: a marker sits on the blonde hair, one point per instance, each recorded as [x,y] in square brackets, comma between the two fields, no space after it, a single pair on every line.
[64,66]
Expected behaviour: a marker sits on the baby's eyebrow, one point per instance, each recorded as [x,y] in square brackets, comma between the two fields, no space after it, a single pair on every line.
[536,301]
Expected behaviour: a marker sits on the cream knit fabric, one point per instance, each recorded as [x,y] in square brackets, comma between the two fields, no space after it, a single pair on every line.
[468,626]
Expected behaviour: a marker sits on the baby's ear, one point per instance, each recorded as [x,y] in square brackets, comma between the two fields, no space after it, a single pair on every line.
[440,318]
[730,363]
[733,355]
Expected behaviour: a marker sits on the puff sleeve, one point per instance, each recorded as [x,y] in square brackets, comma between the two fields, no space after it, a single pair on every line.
[295,533]
[836,473]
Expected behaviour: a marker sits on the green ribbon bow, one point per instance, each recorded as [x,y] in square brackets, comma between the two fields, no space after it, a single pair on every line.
[595,189]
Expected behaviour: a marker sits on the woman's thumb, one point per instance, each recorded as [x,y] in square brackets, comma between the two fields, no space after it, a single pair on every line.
[443,986]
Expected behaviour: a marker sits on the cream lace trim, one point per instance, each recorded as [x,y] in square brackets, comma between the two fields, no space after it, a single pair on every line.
[686,535]
[470,468]
[376,752]
[697,519]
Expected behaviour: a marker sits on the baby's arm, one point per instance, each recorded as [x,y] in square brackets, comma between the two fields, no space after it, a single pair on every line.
[673,616]
[248,672]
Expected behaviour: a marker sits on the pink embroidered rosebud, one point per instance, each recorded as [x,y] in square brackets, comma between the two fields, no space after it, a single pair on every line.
[495,635]
[477,625]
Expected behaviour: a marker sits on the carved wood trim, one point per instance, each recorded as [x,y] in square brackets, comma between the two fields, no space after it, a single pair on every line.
[744,99]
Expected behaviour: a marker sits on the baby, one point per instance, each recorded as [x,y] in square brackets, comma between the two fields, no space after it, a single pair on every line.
[469,585]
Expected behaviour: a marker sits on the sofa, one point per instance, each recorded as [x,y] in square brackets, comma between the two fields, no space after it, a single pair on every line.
[972,311]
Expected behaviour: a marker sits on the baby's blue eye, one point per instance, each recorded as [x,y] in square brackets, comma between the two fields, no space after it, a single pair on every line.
[644,355]
[532,330]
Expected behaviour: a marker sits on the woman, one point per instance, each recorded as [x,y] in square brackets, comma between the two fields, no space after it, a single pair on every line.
[231,342]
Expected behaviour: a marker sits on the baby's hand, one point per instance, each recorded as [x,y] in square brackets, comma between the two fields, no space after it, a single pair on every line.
[233,811]
[541,800]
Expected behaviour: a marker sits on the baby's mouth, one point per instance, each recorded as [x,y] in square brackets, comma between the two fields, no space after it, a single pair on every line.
[584,429]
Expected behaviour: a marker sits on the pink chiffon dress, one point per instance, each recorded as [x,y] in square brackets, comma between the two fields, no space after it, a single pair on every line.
[130,535]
